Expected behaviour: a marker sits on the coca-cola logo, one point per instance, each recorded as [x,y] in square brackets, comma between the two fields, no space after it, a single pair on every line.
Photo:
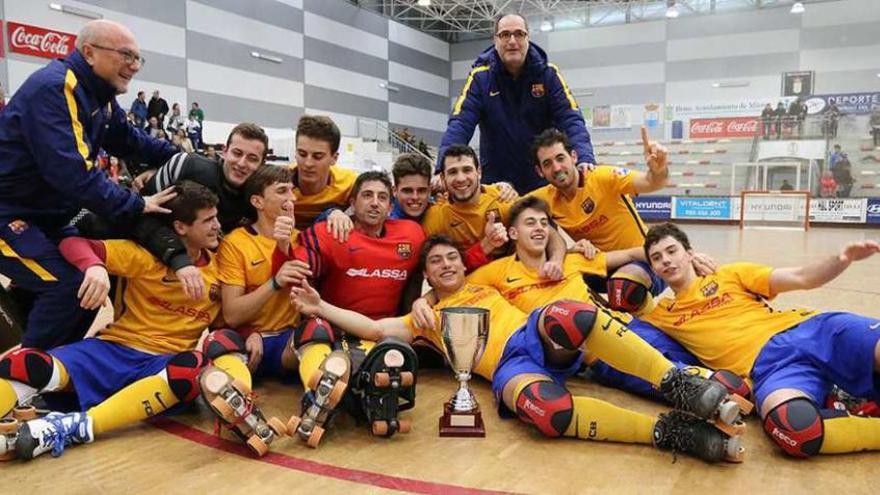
[724,127]
[40,42]
[710,127]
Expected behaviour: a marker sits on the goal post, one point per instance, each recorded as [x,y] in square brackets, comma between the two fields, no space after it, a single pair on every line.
[775,209]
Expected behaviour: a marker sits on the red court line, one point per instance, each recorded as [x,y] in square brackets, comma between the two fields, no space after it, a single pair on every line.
[317,468]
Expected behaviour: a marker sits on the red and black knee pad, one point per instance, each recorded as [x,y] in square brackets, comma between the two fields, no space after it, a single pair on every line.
[223,341]
[797,426]
[546,405]
[30,366]
[182,373]
[568,323]
[733,383]
[312,330]
[625,294]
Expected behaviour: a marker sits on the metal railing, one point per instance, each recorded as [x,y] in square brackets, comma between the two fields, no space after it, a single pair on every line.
[376,130]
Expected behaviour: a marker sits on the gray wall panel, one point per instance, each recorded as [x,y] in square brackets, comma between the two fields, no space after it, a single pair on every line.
[600,57]
[224,108]
[616,95]
[420,99]
[847,81]
[418,60]
[165,11]
[738,22]
[268,11]
[337,101]
[468,50]
[732,67]
[348,14]
[343,58]
[238,56]
[165,69]
[840,36]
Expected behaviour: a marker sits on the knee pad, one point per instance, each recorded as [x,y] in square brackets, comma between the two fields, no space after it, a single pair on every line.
[546,405]
[627,293]
[313,330]
[733,383]
[31,367]
[796,426]
[567,323]
[182,374]
[223,341]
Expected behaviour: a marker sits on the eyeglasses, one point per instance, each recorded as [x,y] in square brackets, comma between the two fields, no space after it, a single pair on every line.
[506,35]
[127,56]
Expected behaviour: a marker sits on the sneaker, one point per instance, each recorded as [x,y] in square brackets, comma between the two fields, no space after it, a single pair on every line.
[684,433]
[53,432]
[689,392]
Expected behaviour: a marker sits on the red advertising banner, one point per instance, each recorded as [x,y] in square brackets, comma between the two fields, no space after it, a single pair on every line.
[39,42]
[724,127]
[2,51]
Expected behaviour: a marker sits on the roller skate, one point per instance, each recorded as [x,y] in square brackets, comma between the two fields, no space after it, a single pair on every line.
[385,385]
[843,401]
[705,398]
[327,387]
[233,403]
[53,432]
[685,433]
[9,430]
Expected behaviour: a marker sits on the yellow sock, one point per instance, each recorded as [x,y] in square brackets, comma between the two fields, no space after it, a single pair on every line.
[310,359]
[595,419]
[236,367]
[142,399]
[622,349]
[850,434]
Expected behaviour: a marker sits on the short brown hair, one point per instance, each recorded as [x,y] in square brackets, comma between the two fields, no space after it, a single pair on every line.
[431,243]
[457,150]
[369,176]
[659,232]
[525,203]
[319,127]
[251,132]
[191,197]
[264,177]
[411,164]
[548,138]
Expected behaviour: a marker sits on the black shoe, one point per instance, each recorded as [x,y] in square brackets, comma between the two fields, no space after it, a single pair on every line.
[689,392]
[683,433]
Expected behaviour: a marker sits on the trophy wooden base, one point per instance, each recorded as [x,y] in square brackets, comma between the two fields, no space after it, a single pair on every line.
[461,424]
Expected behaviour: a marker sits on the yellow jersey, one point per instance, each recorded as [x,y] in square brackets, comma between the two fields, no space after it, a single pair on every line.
[156,316]
[601,211]
[465,223]
[724,318]
[340,182]
[527,291]
[245,260]
[504,319]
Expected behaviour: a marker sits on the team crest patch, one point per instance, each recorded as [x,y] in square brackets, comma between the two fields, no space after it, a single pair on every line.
[214,293]
[588,206]
[709,290]
[537,90]
[621,172]
[404,250]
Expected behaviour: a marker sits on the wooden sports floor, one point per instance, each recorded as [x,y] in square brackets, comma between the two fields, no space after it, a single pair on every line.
[182,455]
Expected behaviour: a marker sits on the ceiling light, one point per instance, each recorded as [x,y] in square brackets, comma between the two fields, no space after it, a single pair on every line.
[68,9]
[424,3]
[546,25]
[797,8]
[672,12]
[389,87]
[732,84]
[268,58]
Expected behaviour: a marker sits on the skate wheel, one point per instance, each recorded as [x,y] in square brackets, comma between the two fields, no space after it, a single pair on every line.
[258,445]
[744,404]
[728,412]
[735,452]
[223,409]
[382,379]
[277,426]
[407,378]
[8,456]
[315,379]
[26,413]
[380,428]
[241,386]
[293,424]
[336,394]
[404,426]
[335,364]
[215,380]
[315,437]
[393,359]
[8,425]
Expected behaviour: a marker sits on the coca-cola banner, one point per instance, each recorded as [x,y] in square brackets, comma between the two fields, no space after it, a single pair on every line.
[724,127]
[39,42]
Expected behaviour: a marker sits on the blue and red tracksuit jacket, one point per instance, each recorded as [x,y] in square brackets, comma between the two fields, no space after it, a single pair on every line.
[511,112]
[50,135]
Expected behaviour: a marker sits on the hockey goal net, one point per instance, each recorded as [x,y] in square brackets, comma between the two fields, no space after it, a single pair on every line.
[775,209]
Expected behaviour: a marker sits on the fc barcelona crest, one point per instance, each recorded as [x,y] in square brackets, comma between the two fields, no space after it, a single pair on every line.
[709,290]
[588,206]
[404,250]
[538,90]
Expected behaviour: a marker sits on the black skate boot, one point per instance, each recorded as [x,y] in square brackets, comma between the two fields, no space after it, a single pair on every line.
[687,434]
[707,399]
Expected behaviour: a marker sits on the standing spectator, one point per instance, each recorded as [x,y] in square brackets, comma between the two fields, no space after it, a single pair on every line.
[831,119]
[843,177]
[767,117]
[175,120]
[828,186]
[423,149]
[780,119]
[796,117]
[786,186]
[875,125]
[514,94]
[197,114]
[157,107]
[836,156]
[194,131]
[139,109]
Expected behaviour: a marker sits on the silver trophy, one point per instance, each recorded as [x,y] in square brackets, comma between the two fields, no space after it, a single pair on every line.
[465,331]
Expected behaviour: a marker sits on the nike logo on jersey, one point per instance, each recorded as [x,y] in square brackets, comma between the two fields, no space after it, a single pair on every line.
[494,93]
[512,280]
[875,326]
[352,249]
[455,224]
[256,262]
[169,279]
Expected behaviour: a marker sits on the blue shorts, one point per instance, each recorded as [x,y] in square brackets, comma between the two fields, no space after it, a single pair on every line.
[273,348]
[827,349]
[99,369]
[600,284]
[524,353]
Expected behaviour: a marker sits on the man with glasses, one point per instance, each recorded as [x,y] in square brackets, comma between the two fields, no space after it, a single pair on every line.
[50,135]
[514,93]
